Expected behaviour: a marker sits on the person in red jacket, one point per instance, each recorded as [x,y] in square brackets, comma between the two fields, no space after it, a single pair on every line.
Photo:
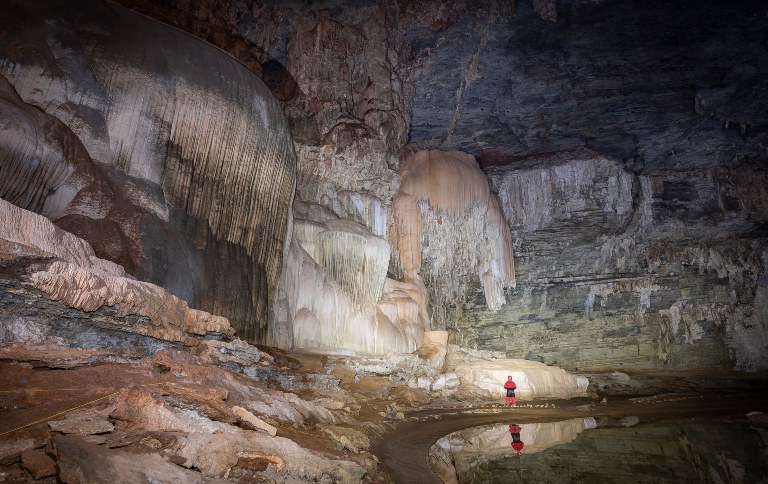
[510,386]
[517,444]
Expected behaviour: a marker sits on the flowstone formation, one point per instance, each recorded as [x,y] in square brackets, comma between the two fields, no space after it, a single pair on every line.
[334,294]
[168,156]
[448,231]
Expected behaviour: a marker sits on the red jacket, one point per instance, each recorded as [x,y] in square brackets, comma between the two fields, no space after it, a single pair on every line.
[514,429]
[510,384]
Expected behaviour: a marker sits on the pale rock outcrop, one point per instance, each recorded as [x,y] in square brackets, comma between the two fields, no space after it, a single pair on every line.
[140,409]
[335,296]
[83,281]
[80,461]
[251,419]
[82,422]
[434,348]
[533,379]
[214,455]
[448,230]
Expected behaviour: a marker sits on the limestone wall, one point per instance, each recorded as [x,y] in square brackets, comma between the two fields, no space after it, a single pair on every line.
[660,270]
[164,152]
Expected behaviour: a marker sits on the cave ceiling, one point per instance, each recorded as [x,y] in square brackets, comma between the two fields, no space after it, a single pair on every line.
[659,85]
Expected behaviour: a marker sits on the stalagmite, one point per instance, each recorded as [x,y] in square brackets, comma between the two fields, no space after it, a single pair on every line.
[448,229]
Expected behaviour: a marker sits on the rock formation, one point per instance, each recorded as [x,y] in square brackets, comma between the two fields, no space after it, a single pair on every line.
[663,270]
[166,154]
[83,281]
[449,231]
[533,379]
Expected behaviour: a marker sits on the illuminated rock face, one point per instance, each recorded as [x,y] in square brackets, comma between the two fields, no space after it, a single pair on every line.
[83,281]
[334,294]
[449,231]
[533,379]
[163,152]
[662,269]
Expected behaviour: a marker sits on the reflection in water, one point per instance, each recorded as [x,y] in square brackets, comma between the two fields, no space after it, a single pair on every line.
[517,442]
[615,451]
[468,447]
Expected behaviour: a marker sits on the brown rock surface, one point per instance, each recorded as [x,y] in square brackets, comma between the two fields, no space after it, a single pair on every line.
[82,422]
[84,281]
[80,462]
[37,463]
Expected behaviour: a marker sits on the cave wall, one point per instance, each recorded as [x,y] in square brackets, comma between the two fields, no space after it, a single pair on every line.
[660,270]
[629,138]
[165,153]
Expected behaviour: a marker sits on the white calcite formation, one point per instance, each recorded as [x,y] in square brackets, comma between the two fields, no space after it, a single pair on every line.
[448,230]
[533,379]
[334,294]
[81,280]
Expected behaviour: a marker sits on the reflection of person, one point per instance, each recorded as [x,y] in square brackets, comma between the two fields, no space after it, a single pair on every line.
[510,386]
[517,444]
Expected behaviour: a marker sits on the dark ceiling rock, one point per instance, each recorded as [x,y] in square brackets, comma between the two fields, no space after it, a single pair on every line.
[662,84]
[670,84]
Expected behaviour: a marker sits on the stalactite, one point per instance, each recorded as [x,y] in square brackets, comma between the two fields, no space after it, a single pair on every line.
[448,230]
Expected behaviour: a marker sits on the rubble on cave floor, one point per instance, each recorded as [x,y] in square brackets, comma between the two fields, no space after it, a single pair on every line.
[232,412]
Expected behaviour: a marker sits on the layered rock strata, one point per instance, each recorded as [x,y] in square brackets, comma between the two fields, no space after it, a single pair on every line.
[82,281]
[658,270]
[166,154]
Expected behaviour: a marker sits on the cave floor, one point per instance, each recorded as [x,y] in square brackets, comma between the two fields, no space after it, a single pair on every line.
[35,389]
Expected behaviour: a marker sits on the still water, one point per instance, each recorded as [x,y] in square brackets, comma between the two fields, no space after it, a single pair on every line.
[604,451]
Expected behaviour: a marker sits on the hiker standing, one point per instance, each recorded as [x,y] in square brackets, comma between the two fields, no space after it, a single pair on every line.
[510,386]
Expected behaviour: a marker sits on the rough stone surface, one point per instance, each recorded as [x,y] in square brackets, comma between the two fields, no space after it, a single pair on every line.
[80,461]
[37,463]
[251,419]
[82,422]
[152,157]
[83,281]
[658,270]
